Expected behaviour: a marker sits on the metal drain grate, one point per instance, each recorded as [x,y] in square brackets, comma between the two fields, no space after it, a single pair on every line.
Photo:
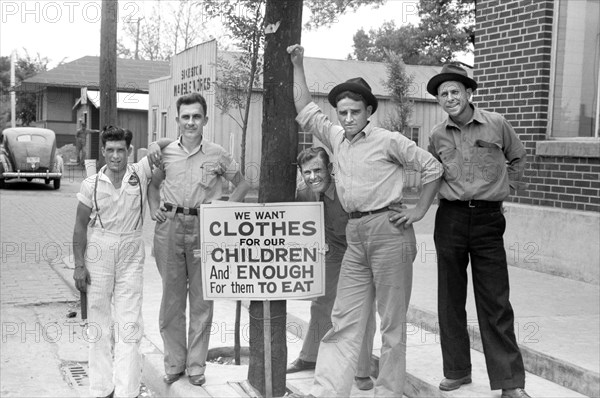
[76,374]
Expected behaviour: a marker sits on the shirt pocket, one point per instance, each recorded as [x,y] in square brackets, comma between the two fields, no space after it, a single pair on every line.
[490,160]
[209,172]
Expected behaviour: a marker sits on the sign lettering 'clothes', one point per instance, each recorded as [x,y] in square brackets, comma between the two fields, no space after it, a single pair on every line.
[262,251]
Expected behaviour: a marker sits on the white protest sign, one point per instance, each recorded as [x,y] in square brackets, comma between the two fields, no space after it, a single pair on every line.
[254,251]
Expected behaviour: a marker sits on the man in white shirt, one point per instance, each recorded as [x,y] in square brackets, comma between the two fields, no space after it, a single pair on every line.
[109,256]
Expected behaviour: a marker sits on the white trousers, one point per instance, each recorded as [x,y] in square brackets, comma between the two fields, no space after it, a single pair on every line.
[115,325]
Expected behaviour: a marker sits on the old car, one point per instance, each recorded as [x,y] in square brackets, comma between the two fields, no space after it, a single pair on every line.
[30,152]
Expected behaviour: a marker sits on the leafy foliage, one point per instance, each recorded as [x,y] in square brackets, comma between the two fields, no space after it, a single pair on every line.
[245,20]
[325,12]
[446,29]
[399,83]
[25,67]
[233,80]
[168,28]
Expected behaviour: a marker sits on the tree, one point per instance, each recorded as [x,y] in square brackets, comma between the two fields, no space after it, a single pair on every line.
[324,13]
[169,27]
[446,29]
[404,40]
[277,182]
[447,26]
[145,32]
[399,83]
[26,66]
[245,19]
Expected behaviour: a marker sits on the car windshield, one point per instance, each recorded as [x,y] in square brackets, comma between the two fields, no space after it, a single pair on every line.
[31,138]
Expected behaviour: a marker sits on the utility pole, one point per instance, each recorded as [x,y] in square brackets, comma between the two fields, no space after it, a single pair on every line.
[137,38]
[277,183]
[108,67]
[13,97]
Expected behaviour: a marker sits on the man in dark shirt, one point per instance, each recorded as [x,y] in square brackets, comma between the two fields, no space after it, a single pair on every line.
[483,158]
[80,141]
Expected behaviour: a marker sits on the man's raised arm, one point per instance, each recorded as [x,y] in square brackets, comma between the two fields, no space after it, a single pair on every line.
[303,97]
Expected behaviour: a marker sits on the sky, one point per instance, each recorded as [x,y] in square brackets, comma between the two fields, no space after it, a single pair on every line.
[67,30]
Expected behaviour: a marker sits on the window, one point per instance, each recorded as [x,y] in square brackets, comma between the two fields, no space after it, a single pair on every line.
[154,125]
[163,125]
[412,133]
[575,107]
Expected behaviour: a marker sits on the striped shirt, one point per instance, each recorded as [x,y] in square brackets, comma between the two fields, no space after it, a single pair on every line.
[119,209]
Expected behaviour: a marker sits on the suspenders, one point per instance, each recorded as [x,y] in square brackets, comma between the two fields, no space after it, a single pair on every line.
[97,217]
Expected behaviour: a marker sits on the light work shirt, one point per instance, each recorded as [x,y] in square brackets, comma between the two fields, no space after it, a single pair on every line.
[119,209]
[369,170]
[196,177]
[482,159]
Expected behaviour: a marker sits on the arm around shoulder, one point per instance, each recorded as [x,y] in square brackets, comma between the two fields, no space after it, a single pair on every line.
[241,187]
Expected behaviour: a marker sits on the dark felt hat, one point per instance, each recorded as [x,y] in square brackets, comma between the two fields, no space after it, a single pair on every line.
[450,72]
[356,85]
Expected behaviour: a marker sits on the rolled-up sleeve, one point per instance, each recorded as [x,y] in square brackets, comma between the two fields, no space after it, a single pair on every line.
[312,120]
[407,153]
[516,156]
[85,193]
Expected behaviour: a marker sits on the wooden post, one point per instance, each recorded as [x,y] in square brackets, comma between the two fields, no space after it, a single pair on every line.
[277,177]
[108,68]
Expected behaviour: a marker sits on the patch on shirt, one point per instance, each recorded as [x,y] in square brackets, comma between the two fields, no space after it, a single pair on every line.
[133,180]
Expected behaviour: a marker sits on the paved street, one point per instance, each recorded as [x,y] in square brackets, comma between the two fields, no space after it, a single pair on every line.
[43,349]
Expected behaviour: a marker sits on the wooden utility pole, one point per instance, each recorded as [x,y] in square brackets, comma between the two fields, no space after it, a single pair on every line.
[108,67]
[277,182]
[137,39]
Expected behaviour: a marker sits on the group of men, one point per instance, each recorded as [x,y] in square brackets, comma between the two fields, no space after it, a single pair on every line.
[474,157]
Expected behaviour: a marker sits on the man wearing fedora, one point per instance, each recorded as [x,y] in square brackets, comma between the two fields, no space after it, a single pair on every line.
[377,265]
[483,158]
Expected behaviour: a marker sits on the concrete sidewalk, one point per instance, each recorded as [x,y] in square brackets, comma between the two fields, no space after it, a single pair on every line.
[557,326]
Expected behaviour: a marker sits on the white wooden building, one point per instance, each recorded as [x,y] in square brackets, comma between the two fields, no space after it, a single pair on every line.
[195,70]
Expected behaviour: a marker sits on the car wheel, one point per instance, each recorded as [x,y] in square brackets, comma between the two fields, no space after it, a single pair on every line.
[2,182]
[29,179]
[57,183]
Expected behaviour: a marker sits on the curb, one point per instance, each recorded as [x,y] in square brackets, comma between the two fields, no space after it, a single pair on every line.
[153,365]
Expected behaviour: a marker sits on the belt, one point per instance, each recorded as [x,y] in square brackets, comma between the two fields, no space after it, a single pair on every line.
[193,211]
[472,203]
[359,214]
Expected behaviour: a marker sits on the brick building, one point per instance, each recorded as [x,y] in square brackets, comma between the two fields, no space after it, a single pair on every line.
[537,63]
[529,55]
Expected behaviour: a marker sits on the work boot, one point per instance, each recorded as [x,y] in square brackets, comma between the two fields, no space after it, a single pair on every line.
[453,384]
[299,365]
[514,393]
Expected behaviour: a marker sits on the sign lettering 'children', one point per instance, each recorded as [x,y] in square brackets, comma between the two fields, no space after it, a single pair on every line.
[262,251]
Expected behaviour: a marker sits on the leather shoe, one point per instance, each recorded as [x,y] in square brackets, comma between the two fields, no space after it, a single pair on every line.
[300,364]
[453,384]
[514,393]
[197,380]
[172,378]
[363,383]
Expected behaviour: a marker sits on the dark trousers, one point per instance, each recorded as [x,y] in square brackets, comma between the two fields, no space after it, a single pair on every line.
[475,234]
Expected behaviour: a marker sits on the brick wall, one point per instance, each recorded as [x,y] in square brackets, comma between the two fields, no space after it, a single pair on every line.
[512,66]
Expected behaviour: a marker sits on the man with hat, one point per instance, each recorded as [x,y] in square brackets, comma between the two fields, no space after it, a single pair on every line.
[369,164]
[483,158]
